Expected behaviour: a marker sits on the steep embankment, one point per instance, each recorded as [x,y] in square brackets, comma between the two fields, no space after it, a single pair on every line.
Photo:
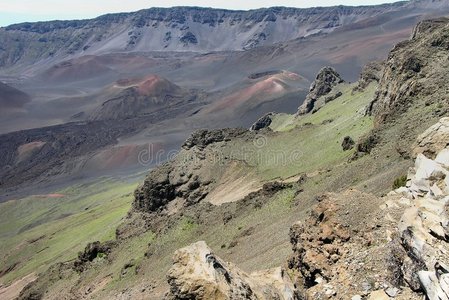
[176,29]
[415,73]
[339,249]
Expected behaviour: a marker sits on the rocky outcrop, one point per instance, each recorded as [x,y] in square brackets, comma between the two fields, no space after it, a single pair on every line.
[348,143]
[156,191]
[199,274]
[411,66]
[424,226]
[263,122]
[173,29]
[92,251]
[317,245]
[333,97]
[325,80]
[167,183]
[187,178]
[340,251]
[433,140]
[202,138]
[371,72]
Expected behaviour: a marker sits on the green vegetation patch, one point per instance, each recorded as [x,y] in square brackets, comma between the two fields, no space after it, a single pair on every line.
[38,231]
[310,142]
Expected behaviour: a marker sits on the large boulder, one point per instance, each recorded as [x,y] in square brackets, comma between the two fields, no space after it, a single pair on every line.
[371,72]
[433,140]
[203,137]
[326,79]
[424,226]
[263,122]
[198,274]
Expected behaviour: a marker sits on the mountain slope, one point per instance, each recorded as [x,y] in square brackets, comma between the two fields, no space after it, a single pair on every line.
[139,97]
[11,98]
[187,29]
[241,190]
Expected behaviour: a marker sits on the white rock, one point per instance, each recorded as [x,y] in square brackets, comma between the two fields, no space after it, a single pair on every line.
[425,167]
[443,158]
[378,295]
[404,201]
[198,274]
[404,191]
[436,191]
[434,139]
[431,286]
[392,291]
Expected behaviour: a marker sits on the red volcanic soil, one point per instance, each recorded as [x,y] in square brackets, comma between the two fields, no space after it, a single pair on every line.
[269,87]
[50,196]
[152,85]
[11,98]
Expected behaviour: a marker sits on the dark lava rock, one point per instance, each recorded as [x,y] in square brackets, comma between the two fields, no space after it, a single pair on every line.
[263,74]
[202,138]
[189,38]
[371,72]
[348,143]
[156,190]
[410,66]
[92,251]
[333,97]
[326,79]
[258,198]
[263,122]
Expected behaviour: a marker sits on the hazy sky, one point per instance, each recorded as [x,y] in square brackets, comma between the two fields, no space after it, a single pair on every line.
[15,11]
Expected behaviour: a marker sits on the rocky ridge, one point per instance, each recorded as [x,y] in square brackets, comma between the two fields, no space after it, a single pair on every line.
[188,183]
[326,79]
[349,245]
[263,122]
[414,72]
[398,251]
[175,29]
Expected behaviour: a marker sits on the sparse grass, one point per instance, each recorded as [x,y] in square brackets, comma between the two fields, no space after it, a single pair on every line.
[38,231]
[400,182]
[318,146]
[312,141]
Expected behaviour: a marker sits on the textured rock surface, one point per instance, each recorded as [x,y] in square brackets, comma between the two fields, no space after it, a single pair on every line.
[412,65]
[189,177]
[433,140]
[371,72]
[198,274]
[92,251]
[175,29]
[348,143]
[325,80]
[424,227]
[202,138]
[263,122]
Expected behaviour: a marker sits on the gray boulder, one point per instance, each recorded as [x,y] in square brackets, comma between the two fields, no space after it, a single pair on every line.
[326,79]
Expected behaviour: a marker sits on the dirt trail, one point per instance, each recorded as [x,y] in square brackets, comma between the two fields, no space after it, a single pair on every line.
[13,290]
